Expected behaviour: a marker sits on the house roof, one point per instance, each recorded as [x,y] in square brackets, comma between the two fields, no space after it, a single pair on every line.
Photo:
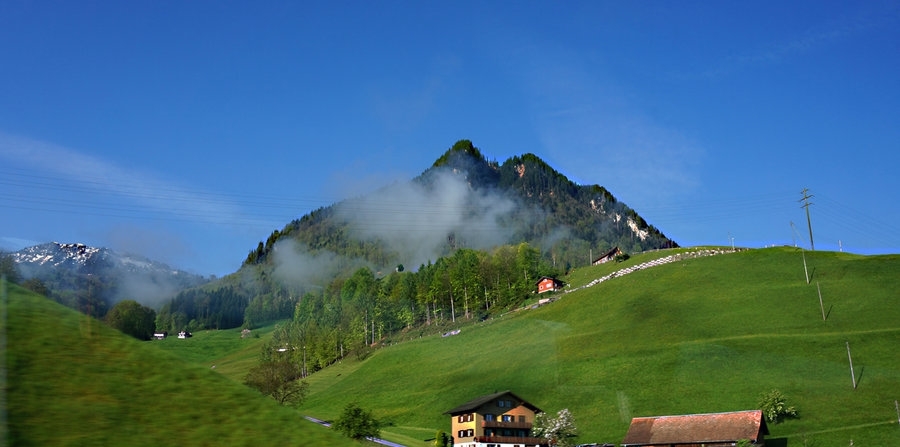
[474,404]
[611,252]
[696,428]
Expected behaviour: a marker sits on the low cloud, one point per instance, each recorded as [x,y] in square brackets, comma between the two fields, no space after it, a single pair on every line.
[304,270]
[417,220]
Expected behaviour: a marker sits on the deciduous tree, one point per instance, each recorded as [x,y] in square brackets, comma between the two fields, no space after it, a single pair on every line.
[133,319]
[774,407]
[279,379]
[9,269]
[559,431]
[357,423]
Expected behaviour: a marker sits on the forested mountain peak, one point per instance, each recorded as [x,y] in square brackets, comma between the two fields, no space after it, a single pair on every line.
[463,204]
[462,149]
[463,158]
[465,200]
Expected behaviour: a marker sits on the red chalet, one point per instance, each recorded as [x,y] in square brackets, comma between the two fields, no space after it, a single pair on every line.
[548,284]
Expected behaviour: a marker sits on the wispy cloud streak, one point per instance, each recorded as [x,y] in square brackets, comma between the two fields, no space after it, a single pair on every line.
[810,40]
[57,168]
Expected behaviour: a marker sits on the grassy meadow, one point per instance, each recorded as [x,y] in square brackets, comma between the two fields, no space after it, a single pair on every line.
[700,335]
[71,381]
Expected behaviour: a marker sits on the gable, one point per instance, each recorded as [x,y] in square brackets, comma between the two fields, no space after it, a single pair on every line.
[492,399]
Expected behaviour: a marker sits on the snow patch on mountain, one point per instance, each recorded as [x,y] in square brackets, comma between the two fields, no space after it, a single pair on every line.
[124,276]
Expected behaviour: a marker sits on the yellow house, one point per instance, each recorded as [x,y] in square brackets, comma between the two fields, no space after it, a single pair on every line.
[496,420]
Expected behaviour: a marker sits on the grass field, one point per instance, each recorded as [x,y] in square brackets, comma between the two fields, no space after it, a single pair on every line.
[71,381]
[700,335]
[226,351]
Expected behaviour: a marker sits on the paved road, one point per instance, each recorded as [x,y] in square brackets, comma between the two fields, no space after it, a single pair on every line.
[375,440]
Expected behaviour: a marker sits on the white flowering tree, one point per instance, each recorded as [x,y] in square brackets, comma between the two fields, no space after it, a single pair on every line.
[559,431]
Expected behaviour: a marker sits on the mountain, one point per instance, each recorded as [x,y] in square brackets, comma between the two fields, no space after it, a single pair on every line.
[91,279]
[465,200]
[462,202]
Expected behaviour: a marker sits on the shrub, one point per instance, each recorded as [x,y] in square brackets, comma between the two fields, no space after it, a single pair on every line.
[774,407]
[357,423]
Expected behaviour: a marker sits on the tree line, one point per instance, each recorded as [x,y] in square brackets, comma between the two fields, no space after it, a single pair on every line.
[354,313]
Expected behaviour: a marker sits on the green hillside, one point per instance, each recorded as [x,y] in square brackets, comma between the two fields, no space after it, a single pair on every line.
[73,381]
[700,335]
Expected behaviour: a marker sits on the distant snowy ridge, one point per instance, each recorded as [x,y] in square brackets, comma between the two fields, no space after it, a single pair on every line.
[72,267]
[79,255]
[56,254]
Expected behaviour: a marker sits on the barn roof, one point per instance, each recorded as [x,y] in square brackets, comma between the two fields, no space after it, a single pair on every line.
[474,404]
[696,428]
[612,252]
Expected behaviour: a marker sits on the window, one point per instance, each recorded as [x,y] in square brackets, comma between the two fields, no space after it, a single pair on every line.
[521,418]
[501,403]
[470,417]
[488,417]
[470,432]
[509,418]
[459,418]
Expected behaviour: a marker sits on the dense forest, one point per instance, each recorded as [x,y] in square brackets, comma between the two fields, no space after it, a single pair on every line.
[354,314]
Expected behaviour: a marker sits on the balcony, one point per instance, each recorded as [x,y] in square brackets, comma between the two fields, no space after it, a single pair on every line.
[513,425]
[522,440]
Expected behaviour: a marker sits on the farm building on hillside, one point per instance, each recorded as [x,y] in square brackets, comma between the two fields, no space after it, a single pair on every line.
[549,284]
[608,256]
[709,430]
[500,420]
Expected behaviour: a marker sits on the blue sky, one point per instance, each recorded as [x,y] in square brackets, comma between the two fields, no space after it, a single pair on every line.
[188,131]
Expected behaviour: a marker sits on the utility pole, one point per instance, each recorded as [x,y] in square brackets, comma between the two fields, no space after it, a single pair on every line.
[805,269]
[897,407]
[852,375]
[821,305]
[806,204]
